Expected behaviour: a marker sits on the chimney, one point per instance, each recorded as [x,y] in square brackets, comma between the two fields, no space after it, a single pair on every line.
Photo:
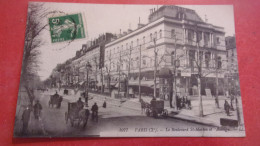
[206,19]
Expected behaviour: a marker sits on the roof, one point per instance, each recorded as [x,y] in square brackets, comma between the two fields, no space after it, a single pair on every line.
[175,12]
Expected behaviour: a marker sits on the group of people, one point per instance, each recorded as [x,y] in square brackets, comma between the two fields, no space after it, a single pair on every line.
[94,109]
[37,107]
[229,107]
[183,102]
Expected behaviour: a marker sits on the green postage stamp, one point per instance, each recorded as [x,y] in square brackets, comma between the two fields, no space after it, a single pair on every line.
[66,28]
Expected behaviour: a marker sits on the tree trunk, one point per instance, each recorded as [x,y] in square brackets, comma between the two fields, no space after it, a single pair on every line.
[200,98]
[217,101]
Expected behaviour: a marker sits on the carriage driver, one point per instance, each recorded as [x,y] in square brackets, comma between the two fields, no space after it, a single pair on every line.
[56,94]
[80,104]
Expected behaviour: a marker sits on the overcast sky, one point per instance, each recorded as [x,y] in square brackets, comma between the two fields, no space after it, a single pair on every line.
[99,18]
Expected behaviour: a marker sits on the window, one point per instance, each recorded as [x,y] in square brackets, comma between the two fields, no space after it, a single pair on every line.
[219,63]
[207,59]
[155,35]
[137,42]
[144,39]
[172,58]
[144,62]
[218,40]
[206,38]
[160,34]
[137,62]
[199,36]
[173,33]
[190,35]
[151,37]
[192,59]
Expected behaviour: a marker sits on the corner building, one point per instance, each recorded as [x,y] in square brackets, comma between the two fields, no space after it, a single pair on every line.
[178,35]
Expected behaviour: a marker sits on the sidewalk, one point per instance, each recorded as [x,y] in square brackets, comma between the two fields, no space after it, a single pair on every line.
[211,114]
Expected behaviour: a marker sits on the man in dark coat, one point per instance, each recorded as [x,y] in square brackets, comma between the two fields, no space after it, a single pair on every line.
[94,110]
[226,107]
[178,101]
[80,104]
[37,109]
[25,119]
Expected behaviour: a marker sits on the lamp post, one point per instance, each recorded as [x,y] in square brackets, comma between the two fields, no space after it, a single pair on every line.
[88,68]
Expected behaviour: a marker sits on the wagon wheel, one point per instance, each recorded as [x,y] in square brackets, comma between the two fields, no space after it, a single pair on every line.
[147,112]
[66,117]
[165,113]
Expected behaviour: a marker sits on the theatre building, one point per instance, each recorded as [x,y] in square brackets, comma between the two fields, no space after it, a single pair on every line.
[179,38]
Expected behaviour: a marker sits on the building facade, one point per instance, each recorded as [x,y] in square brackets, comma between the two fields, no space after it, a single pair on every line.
[232,66]
[173,34]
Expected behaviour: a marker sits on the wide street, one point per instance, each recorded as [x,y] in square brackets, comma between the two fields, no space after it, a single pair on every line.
[112,118]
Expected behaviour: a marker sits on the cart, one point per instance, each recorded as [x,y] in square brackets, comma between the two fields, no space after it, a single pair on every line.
[156,109]
[74,114]
[55,100]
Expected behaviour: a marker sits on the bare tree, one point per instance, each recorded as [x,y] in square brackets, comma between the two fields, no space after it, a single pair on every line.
[108,70]
[32,42]
[96,65]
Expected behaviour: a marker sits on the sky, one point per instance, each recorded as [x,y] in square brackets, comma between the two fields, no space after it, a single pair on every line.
[100,18]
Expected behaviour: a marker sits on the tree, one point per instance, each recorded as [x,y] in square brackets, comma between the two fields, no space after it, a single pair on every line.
[96,65]
[108,70]
[33,41]
[197,67]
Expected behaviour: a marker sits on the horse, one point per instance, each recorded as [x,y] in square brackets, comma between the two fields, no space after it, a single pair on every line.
[55,100]
[83,117]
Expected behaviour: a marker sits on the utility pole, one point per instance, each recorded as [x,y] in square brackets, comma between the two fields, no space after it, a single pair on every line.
[140,55]
[155,68]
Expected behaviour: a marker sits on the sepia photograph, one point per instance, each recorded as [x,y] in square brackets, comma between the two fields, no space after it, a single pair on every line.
[111,70]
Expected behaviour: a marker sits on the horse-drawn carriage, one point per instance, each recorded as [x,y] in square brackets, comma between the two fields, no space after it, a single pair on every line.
[77,114]
[155,108]
[66,92]
[55,99]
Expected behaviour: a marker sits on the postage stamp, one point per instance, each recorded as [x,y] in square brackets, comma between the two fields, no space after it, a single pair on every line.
[65,28]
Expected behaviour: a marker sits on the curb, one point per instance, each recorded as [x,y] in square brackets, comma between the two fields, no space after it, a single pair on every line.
[177,116]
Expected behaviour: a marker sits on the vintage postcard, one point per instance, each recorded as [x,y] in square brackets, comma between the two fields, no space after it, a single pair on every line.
[103,70]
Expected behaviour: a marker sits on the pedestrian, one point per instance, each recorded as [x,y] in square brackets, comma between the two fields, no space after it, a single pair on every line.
[226,107]
[94,110]
[188,102]
[104,104]
[25,119]
[231,102]
[178,100]
[183,102]
[80,104]
[60,100]
[37,109]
